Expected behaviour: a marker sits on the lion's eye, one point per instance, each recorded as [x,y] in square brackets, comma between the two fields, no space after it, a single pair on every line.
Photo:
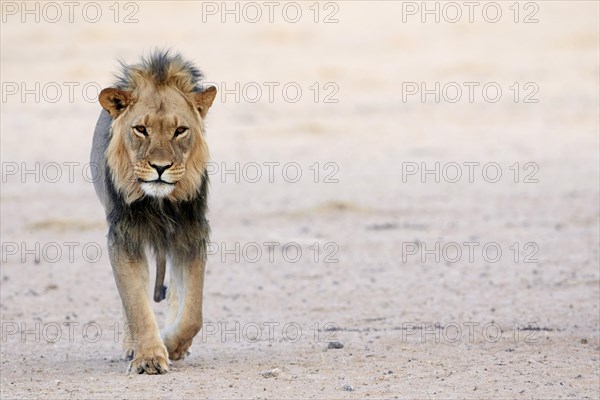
[141,129]
[180,131]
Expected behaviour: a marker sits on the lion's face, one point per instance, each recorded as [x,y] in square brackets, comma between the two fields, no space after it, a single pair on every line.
[157,146]
[160,130]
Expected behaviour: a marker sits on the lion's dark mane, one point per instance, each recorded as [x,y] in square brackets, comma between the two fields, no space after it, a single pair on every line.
[175,228]
[159,68]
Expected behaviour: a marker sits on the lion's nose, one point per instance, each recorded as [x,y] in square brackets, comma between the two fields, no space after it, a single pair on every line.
[161,168]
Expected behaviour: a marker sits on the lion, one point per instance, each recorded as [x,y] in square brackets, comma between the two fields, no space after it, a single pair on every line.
[150,148]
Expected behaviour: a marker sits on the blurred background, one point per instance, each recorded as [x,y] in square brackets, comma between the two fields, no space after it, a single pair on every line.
[373,145]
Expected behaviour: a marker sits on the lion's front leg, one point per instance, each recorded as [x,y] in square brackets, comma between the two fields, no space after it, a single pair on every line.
[185,307]
[128,339]
[131,275]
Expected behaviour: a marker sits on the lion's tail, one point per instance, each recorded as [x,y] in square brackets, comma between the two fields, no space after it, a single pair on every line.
[160,290]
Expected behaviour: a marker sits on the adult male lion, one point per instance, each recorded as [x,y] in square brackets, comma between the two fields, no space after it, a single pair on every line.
[150,148]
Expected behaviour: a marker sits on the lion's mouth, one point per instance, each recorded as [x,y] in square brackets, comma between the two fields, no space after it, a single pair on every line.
[156,181]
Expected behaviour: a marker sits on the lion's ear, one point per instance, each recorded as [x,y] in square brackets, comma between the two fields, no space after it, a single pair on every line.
[114,101]
[204,99]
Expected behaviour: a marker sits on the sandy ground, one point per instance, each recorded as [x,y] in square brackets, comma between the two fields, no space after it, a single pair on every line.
[356,260]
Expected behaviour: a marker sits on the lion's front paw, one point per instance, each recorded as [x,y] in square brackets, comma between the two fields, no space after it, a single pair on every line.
[150,360]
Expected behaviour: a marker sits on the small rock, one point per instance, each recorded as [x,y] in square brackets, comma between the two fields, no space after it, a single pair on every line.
[383,226]
[348,388]
[271,374]
[335,345]
[584,341]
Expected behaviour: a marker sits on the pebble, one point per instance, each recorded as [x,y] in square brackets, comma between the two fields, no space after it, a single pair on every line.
[271,374]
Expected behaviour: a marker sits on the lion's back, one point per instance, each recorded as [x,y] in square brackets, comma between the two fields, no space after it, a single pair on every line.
[98,165]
